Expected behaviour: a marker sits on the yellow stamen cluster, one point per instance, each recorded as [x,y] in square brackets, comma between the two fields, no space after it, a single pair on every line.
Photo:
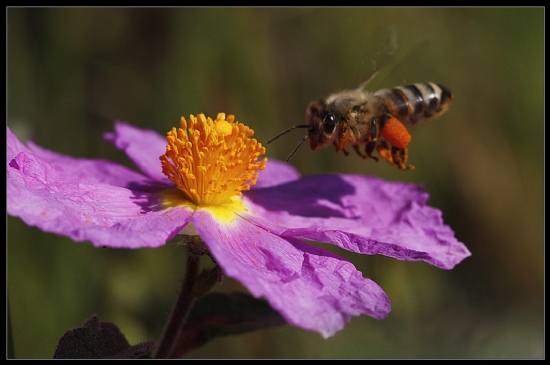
[211,161]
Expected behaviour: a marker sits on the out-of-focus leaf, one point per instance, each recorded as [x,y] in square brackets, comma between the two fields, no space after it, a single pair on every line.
[220,314]
[98,340]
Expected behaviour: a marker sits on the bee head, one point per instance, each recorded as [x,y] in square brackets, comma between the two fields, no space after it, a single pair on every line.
[322,124]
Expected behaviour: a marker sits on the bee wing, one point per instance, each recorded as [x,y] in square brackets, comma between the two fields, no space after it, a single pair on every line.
[391,56]
[382,46]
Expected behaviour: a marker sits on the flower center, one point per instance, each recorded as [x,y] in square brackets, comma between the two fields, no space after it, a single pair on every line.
[212,161]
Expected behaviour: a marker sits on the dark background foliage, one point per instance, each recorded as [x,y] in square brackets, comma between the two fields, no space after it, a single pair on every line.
[72,72]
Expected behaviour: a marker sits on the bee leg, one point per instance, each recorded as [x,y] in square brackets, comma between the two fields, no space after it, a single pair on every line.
[399,158]
[356,148]
[369,149]
[384,151]
[340,147]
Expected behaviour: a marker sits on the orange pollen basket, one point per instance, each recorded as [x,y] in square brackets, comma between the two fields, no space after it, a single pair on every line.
[396,133]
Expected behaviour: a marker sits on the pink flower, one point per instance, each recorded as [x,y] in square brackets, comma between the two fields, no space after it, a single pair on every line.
[204,184]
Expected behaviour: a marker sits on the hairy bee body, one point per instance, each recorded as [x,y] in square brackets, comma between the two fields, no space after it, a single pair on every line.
[377,120]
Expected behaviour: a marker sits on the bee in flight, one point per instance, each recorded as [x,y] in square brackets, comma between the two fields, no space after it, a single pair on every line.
[376,120]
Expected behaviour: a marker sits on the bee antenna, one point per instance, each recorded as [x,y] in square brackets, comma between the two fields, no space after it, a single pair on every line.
[288,130]
[298,146]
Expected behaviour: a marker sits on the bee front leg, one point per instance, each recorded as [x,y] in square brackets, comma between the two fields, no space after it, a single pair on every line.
[340,148]
[356,148]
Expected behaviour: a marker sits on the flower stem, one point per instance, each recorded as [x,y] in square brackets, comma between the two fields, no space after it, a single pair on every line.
[180,310]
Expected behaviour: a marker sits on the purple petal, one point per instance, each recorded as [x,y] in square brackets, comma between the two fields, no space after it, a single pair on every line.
[275,173]
[14,146]
[142,146]
[66,200]
[100,171]
[311,287]
[90,170]
[360,214]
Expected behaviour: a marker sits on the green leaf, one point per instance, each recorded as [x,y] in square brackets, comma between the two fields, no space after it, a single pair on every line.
[98,340]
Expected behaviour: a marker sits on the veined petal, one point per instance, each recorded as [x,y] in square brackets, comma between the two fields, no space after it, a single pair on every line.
[311,287]
[93,170]
[142,146]
[14,146]
[103,214]
[358,213]
[276,173]
[90,170]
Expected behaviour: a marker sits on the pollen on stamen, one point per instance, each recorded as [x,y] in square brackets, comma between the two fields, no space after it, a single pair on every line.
[212,161]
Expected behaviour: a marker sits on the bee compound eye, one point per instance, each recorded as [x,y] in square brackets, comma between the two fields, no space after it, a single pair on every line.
[329,122]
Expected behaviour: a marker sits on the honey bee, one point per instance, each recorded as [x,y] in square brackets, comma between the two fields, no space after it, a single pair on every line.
[377,120]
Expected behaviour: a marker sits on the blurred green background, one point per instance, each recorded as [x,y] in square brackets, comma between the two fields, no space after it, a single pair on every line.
[72,72]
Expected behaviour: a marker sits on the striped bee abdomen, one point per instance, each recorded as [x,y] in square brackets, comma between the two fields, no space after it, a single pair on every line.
[416,103]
